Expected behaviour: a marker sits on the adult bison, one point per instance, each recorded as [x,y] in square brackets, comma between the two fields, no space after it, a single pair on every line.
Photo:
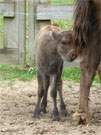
[87,44]
[52,46]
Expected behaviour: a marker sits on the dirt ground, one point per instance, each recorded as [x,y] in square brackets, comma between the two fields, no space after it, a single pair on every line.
[17,102]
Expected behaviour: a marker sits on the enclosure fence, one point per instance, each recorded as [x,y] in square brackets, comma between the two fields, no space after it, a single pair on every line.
[20,21]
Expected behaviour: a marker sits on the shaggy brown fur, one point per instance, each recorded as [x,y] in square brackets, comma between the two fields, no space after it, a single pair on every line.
[87,44]
[52,46]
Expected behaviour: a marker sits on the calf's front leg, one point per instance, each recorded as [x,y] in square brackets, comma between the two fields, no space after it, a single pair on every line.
[40,93]
[53,85]
[62,104]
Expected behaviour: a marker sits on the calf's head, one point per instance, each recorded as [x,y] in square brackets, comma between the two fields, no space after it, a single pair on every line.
[65,45]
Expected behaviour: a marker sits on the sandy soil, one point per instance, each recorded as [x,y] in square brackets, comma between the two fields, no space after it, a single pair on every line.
[17,102]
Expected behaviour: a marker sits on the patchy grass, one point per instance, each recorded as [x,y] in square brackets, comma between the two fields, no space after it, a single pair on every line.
[64,24]
[11,72]
[57,2]
[73,73]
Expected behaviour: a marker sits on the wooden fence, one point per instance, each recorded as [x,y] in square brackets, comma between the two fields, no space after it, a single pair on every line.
[22,20]
[14,31]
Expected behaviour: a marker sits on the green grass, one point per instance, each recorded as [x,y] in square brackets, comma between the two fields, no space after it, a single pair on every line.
[64,24]
[73,73]
[58,2]
[11,72]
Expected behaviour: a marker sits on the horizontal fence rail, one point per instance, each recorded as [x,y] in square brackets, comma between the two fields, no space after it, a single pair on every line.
[52,12]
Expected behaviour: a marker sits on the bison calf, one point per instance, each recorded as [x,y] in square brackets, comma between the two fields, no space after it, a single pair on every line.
[52,46]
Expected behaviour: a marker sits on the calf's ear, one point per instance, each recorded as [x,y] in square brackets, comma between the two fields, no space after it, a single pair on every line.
[56,35]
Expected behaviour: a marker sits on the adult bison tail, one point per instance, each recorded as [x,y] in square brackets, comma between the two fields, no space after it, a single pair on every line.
[84,17]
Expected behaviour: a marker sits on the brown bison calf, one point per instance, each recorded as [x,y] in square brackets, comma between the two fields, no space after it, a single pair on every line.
[52,46]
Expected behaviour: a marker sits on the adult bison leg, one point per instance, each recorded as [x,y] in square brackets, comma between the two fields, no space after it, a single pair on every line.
[37,110]
[46,80]
[87,75]
[88,71]
[53,85]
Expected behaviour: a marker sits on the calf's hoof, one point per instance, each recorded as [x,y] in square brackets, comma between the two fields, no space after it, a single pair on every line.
[64,112]
[55,116]
[80,118]
[37,113]
[43,109]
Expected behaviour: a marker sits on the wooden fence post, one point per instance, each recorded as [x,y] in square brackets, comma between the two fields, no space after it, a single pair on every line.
[33,27]
[31,30]
[22,31]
